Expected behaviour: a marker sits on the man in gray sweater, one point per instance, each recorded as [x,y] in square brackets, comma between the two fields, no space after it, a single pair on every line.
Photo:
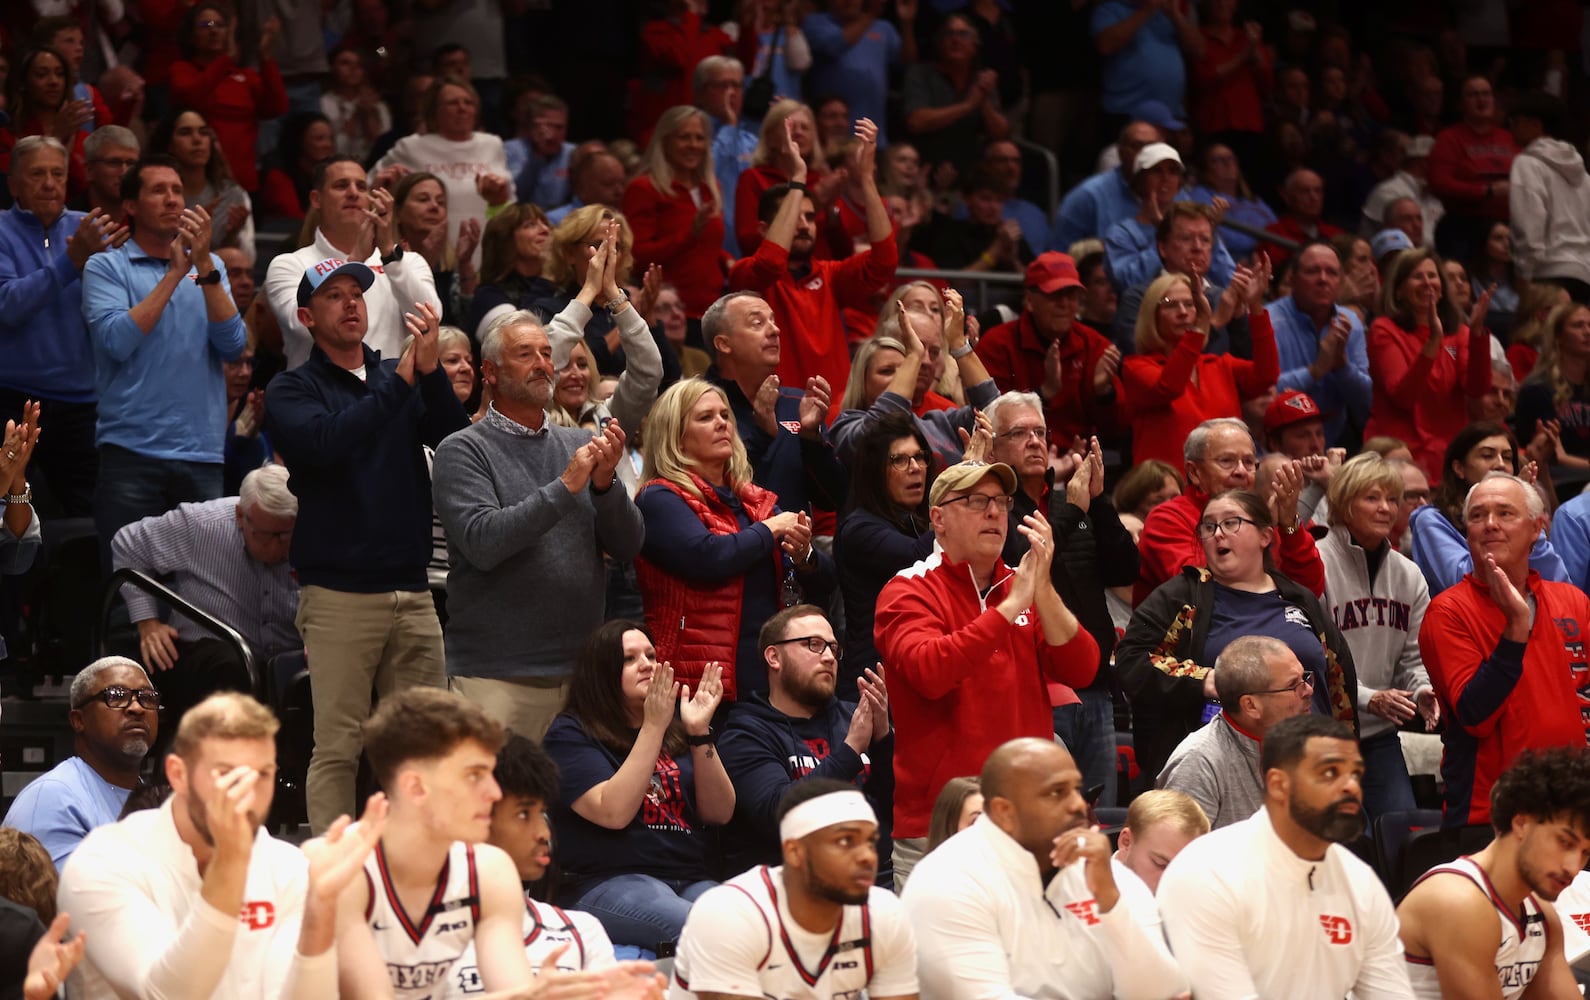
[1260,682]
[529,508]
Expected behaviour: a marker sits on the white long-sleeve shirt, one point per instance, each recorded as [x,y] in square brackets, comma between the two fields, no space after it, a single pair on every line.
[135,888]
[1248,918]
[988,929]
[397,287]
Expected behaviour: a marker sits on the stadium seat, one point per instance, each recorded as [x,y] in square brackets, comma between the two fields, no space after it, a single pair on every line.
[1428,848]
[1391,833]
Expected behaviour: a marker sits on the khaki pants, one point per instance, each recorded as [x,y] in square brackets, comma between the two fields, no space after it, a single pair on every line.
[907,852]
[356,644]
[525,705]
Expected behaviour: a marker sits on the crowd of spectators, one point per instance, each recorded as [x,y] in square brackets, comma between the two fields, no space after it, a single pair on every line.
[768,401]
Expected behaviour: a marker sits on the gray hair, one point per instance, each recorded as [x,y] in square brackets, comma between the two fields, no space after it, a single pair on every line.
[1533,501]
[711,66]
[29,145]
[716,319]
[109,135]
[1505,369]
[1198,441]
[88,678]
[265,489]
[491,343]
[449,337]
[1013,401]
[1243,668]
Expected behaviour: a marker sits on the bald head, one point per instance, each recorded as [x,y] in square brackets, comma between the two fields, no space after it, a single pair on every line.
[1032,791]
[1020,760]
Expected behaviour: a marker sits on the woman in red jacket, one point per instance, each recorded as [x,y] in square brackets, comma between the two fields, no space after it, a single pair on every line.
[232,98]
[675,209]
[1423,375]
[1171,385]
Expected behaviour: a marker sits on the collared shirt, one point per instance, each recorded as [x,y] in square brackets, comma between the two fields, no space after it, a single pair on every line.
[1341,393]
[509,425]
[201,544]
[541,180]
[161,394]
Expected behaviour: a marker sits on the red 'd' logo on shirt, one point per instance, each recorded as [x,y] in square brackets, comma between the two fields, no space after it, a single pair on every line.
[1085,911]
[1337,929]
[1583,920]
[258,916]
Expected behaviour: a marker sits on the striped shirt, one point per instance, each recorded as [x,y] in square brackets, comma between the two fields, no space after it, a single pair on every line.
[200,546]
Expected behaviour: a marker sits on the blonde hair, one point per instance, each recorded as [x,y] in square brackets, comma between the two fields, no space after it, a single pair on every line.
[888,322]
[27,875]
[654,163]
[430,101]
[1535,306]
[1548,370]
[448,337]
[665,426]
[1357,476]
[855,397]
[229,715]
[1384,444]
[1146,336]
[576,230]
[1166,806]
[773,131]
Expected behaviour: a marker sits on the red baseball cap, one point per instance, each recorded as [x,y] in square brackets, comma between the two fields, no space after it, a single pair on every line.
[1052,271]
[1290,407]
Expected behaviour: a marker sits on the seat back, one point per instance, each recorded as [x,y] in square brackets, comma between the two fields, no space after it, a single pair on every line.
[1391,832]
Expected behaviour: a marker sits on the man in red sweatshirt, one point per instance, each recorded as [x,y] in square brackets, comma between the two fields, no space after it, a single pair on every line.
[1505,650]
[971,645]
[1469,167]
[1220,456]
[807,295]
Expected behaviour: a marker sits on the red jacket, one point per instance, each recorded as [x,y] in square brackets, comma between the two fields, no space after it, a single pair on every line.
[669,51]
[1293,230]
[1013,353]
[1234,103]
[233,99]
[1499,697]
[1170,541]
[1166,404]
[694,264]
[808,310]
[694,623]
[1463,162]
[748,193]
[963,680]
[1423,400]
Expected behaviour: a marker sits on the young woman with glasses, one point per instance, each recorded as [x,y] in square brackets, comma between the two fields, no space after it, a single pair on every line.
[1166,659]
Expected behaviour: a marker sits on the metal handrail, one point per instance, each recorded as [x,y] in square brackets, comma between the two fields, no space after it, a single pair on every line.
[127,576]
[1284,242]
[1052,204]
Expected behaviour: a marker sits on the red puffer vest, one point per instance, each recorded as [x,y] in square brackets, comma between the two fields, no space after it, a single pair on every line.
[693,624]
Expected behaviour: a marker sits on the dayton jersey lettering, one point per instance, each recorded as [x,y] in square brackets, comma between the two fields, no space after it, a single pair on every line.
[421,951]
[1523,942]
[546,929]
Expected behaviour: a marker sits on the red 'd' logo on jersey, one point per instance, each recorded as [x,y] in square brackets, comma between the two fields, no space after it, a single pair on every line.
[1337,929]
[1583,920]
[1085,911]
[258,916]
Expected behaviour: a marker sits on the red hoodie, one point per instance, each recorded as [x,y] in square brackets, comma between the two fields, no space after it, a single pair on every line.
[1170,541]
[1463,162]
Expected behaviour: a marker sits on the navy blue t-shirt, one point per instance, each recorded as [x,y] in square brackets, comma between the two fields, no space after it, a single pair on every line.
[663,840]
[1238,613]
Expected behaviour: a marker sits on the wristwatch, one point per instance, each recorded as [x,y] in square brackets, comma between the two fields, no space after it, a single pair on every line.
[706,739]
[962,351]
[388,259]
[213,278]
[26,496]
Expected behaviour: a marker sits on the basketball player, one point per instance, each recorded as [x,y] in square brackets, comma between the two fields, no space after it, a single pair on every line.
[1480,927]
[432,886]
[814,928]
[573,939]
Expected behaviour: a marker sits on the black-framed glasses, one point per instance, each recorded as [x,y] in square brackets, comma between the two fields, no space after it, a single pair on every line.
[1297,687]
[1229,526]
[978,503]
[119,697]
[907,459]
[814,644]
[1022,433]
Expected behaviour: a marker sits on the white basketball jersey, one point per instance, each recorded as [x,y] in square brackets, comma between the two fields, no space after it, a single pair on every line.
[546,928]
[1523,943]
[795,964]
[421,949]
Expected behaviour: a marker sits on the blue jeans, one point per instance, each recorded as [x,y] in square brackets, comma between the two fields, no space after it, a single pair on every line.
[132,487]
[641,910]
[1088,730]
[1386,784]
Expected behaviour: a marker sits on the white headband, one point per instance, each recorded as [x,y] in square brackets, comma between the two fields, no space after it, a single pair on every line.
[849,806]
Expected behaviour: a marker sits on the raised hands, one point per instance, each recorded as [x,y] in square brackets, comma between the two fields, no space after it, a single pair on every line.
[695,711]
[338,855]
[95,233]
[17,448]
[788,154]
[52,960]
[1482,307]
[869,723]
[864,163]
[954,320]
[978,445]
[595,462]
[1103,372]
[796,538]
[425,327]
[495,188]
[375,228]
[1507,597]
[1087,482]
[814,407]
[1091,847]
[661,695]
[1285,488]
[764,408]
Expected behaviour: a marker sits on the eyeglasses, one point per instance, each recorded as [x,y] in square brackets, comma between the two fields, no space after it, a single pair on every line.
[1020,433]
[211,22]
[118,697]
[1177,305]
[1304,683]
[275,536]
[1228,462]
[908,459]
[978,503]
[120,163]
[814,644]
[1229,526]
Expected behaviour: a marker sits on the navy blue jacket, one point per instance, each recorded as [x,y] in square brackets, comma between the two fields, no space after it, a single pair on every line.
[353,449]
[766,752]
[803,473]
